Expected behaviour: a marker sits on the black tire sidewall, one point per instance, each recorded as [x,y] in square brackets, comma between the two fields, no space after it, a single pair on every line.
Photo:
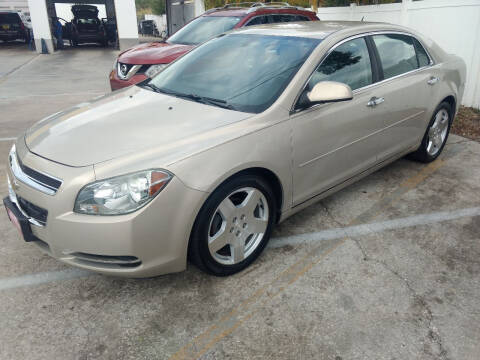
[198,249]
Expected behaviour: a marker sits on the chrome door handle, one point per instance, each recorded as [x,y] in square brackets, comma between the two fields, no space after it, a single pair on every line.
[433,80]
[374,101]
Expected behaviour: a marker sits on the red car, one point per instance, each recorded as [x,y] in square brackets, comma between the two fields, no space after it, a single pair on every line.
[146,60]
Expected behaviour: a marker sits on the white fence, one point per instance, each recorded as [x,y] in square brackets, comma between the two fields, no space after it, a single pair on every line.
[453,24]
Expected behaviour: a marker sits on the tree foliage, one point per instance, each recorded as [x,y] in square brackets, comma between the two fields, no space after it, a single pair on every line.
[305,3]
[156,7]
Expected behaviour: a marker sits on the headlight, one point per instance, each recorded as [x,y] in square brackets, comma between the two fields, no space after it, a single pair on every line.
[155,69]
[122,194]
[115,65]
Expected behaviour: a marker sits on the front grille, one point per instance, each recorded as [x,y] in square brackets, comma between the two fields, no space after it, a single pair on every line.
[35,212]
[143,69]
[106,261]
[40,178]
[33,178]
[123,69]
[126,71]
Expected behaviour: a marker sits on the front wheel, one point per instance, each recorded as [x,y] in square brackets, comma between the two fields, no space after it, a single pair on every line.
[233,226]
[436,135]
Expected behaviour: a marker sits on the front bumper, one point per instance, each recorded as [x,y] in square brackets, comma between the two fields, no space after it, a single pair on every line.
[11,35]
[116,83]
[149,242]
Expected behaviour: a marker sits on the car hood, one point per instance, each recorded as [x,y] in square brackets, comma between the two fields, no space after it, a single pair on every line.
[153,53]
[122,123]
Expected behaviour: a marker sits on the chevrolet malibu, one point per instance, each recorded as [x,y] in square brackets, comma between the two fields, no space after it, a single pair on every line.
[203,160]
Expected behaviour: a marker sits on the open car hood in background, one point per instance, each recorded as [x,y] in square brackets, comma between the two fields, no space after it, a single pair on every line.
[87,11]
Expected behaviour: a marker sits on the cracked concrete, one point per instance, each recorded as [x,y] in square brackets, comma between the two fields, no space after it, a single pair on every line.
[403,293]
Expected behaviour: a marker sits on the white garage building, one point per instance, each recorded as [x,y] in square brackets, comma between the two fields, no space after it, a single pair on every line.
[41,12]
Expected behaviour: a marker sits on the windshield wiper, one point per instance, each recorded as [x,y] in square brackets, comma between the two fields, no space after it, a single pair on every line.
[197,98]
[153,87]
[207,100]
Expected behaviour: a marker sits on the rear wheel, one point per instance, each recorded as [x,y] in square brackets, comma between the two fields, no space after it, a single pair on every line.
[233,226]
[436,135]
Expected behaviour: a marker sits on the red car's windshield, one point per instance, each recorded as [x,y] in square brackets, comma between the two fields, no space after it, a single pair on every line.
[203,28]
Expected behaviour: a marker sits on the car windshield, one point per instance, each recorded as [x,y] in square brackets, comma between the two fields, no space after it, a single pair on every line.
[203,28]
[236,71]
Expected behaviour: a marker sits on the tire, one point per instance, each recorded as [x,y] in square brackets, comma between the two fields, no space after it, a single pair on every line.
[240,211]
[435,137]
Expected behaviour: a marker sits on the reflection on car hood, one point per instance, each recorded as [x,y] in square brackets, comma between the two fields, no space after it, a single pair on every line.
[153,53]
[122,123]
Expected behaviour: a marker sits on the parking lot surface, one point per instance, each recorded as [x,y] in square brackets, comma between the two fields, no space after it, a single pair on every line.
[388,268]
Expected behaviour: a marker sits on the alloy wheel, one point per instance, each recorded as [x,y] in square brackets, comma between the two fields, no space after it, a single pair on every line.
[238,225]
[437,133]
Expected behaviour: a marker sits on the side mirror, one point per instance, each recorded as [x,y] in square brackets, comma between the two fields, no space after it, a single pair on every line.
[329,91]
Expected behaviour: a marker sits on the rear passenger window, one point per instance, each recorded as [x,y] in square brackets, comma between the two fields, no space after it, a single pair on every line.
[259,20]
[301,18]
[278,18]
[422,56]
[397,54]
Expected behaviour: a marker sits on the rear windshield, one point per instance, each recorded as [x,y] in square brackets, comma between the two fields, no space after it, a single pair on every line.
[203,28]
[9,19]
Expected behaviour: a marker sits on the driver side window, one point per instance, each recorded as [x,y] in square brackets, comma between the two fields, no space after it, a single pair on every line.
[348,63]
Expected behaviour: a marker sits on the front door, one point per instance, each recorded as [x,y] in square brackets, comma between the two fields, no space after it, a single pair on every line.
[333,142]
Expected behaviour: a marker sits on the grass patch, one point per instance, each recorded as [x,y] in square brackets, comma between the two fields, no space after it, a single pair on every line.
[467,123]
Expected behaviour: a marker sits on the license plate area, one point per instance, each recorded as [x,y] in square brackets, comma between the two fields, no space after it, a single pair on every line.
[19,220]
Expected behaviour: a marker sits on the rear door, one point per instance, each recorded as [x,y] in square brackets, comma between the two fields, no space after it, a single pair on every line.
[333,142]
[405,70]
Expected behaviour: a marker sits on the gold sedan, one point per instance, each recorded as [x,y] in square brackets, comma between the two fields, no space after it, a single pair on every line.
[204,159]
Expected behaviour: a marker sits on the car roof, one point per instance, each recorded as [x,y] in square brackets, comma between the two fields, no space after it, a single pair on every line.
[242,9]
[319,29]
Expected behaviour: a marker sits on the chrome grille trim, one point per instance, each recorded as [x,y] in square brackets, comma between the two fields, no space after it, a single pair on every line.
[35,183]
[131,71]
[105,260]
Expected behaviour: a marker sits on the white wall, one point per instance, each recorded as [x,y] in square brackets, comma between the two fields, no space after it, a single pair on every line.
[21,5]
[453,24]
[160,20]
[126,14]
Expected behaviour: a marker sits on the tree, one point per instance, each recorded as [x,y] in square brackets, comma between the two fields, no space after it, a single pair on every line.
[156,7]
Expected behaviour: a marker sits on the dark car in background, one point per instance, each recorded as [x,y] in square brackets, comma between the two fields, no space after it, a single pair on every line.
[146,60]
[148,27]
[14,26]
[86,26]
